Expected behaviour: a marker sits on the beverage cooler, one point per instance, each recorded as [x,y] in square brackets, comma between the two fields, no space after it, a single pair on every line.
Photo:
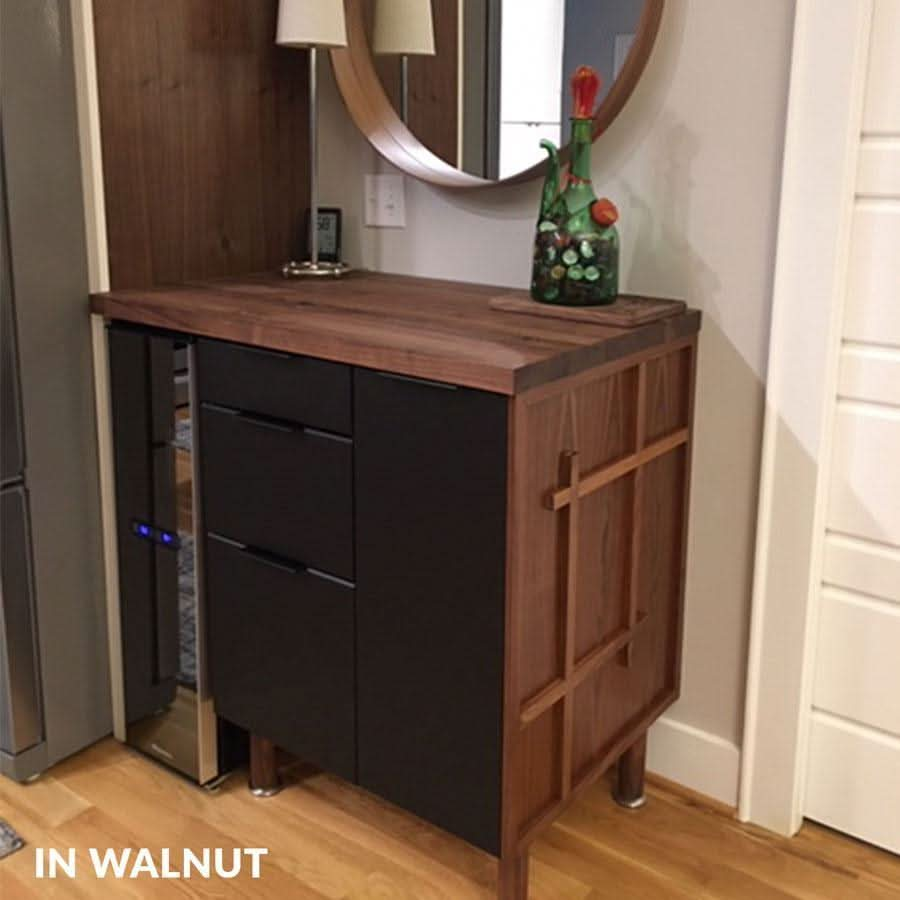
[168,710]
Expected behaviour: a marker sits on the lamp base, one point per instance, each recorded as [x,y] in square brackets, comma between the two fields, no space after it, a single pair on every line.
[308,269]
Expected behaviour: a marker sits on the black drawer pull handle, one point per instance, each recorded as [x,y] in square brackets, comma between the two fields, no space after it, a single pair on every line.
[327,436]
[250,419]
[334,579]
[425,382]
[261,556]
[277,424]
[272,560]
[280,562]
[261,422]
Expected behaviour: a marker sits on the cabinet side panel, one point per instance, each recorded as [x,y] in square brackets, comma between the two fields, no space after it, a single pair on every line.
[617,697]
[431,523]
[598,507]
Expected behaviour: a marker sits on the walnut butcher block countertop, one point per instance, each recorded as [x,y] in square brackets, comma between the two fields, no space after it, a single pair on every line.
[440,330]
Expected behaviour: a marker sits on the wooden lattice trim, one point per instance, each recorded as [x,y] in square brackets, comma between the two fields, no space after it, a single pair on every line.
[549,696]
[599,478]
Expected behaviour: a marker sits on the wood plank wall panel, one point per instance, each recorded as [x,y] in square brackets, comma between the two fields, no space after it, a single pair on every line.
[433,83]
[434,86]
[204,135]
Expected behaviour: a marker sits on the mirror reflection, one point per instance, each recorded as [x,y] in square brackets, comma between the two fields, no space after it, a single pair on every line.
[481,82]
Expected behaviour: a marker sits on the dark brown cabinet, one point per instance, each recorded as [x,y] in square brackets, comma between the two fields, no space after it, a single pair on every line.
[445,545]
[388,671]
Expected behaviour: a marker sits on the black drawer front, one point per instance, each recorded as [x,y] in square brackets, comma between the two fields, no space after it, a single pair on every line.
[296,388]
[281,487]
[282,654]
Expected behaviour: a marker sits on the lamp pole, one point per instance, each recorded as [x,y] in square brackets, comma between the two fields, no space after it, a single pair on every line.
[313,160]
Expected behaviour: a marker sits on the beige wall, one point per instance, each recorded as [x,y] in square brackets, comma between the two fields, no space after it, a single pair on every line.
[694,164]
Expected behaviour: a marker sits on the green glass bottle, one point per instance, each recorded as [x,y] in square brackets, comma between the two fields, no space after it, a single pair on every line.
[576,251]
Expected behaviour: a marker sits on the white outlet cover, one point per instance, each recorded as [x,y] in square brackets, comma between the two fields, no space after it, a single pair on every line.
[385,201]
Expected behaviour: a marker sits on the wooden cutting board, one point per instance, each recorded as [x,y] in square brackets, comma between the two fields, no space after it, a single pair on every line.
[626,312]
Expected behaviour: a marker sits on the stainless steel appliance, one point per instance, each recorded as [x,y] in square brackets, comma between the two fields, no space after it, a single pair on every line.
[168,710]
[22,748]
[54,670]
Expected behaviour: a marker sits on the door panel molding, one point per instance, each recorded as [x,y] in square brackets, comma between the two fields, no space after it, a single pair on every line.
[825,115]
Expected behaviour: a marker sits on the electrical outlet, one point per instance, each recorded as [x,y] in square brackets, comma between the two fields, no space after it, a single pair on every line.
[385,201]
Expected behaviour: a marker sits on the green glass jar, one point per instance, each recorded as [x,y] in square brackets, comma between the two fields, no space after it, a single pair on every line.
[576,250]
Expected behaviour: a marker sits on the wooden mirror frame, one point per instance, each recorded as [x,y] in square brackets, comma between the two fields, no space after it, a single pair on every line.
[376,118]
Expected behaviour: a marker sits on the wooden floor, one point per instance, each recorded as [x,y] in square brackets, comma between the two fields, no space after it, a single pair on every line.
[329,840]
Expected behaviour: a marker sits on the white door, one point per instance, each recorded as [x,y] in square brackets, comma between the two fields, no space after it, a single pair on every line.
[853,772]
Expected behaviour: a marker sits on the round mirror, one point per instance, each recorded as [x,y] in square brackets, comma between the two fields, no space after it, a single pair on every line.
[461,92]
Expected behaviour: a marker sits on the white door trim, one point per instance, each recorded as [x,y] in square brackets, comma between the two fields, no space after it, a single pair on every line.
[88,105]
[830,54]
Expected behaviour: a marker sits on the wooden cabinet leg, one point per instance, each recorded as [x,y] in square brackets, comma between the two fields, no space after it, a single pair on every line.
[513,882]
[263,767]
[629,789]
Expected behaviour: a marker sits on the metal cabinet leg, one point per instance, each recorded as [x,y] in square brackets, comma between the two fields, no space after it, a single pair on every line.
[629,789]
[264,780]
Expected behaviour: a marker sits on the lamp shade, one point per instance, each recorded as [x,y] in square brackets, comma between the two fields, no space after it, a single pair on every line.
[311,23]
[403,27]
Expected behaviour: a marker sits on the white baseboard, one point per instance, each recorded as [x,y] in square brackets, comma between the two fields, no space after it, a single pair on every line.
[697,759]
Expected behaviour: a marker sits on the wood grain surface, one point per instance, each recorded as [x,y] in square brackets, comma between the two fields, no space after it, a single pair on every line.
[204,132]
[413,326]
[625,312]
[599,492]
[327,839]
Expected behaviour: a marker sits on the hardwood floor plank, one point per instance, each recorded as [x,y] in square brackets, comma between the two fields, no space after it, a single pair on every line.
[48,801]
[331,841]
[688,842]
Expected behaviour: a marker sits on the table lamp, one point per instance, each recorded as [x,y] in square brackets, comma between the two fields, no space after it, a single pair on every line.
[312,24]
[404,28]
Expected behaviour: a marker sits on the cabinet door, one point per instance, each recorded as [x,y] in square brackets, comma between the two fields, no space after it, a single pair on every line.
[431,507]
[21,722]
[143,405]
[12,457]
[281,639]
